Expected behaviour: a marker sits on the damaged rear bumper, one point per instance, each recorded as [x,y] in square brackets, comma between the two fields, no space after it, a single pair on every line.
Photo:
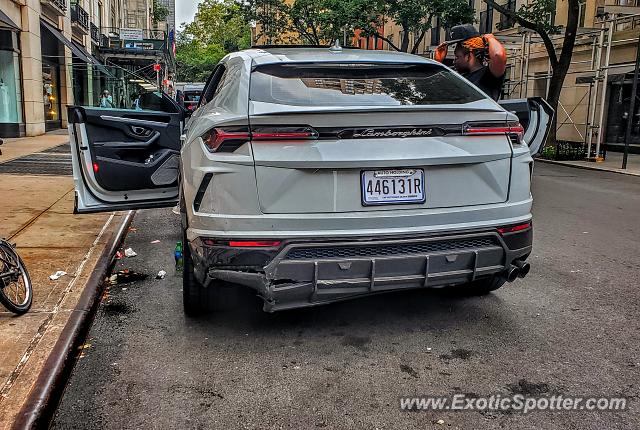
[308,273]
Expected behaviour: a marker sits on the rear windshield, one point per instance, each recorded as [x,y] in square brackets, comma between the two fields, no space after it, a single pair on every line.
[192,96]
[322,84]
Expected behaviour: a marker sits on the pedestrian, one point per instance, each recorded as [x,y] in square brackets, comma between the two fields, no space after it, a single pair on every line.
[106,101]
[137,102]
[479,58]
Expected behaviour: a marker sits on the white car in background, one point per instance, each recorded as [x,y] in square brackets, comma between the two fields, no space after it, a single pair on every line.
[312,175]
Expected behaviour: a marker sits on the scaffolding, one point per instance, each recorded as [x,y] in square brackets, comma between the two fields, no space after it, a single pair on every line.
[592,75]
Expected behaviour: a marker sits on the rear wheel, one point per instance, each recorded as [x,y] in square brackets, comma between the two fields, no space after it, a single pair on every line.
[16,293]
[217,296]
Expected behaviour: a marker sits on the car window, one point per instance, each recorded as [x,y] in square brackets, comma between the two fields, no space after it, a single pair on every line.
[122,90]
[192,96]
[371,84]
[212,85]
[224,80]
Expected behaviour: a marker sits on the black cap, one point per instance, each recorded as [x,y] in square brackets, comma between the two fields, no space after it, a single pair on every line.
[462,32]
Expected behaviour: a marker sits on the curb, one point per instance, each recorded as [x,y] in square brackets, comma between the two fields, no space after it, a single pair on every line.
[48,388]
[599,169]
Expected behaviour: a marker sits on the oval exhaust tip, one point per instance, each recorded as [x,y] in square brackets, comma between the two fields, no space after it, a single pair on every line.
[523,267]
[512,273]
[524,270]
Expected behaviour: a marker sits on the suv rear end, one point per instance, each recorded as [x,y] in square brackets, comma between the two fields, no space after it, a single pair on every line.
[351,173]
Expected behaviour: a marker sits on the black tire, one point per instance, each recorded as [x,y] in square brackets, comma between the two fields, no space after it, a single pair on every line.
[198,300]
[482,287]
[21,282]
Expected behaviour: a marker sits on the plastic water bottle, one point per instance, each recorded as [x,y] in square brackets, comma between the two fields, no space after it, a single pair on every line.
[179,256]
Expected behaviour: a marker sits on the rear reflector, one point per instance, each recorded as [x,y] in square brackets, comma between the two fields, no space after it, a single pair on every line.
[514,228]
[255,244]
[242,243]
[95,167]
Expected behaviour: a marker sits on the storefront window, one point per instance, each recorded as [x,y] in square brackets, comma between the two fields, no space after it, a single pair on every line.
[10,97]
[50,91]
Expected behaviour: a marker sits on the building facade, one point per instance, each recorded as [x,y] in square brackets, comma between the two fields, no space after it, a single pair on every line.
[171,18]
[55,53]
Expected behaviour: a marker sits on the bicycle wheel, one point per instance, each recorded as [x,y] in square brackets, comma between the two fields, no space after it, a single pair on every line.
[15,287]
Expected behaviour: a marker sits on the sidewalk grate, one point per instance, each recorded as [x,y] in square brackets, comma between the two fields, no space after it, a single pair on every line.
[52,161]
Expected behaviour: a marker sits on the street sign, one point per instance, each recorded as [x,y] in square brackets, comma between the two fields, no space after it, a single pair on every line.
[157,67]
[131,34]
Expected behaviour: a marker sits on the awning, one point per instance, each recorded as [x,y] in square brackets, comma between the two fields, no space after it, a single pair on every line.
[74,48]
[5,21]
[92,60]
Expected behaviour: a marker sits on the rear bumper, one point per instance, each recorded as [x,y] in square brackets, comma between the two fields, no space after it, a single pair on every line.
[311,272]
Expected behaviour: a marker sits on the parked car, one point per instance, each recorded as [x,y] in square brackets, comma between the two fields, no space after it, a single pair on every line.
[313,175]
[188,94]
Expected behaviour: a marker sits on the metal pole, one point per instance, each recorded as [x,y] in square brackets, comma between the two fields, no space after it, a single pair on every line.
[522,54]
[546,93]
[526,77]
[587,130]
[603,97]
[632,109]
[596,81]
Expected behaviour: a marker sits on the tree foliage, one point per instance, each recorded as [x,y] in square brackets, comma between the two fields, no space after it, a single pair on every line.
[321,21]
[160,12]
[219,27]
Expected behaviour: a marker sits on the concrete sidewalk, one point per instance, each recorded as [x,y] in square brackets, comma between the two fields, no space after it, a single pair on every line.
[37,215]
[613,163]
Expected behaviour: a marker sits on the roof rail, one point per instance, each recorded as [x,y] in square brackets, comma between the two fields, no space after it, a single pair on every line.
[290,46]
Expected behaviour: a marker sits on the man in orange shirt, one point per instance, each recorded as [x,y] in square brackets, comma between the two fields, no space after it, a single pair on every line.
[479,58]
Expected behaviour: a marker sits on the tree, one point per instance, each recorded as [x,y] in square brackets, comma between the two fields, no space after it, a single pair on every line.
[321,21]
[220,22]
[196,61]
[315,22]
[219,27]
[535,16]
[415,17]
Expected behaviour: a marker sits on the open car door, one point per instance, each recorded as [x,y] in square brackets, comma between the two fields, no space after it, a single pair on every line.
[126,158]
[536,116]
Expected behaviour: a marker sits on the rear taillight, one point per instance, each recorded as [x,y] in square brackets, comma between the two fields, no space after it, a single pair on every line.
[230,139]
[284,133]
[515,131]
[225,140]
[514,228]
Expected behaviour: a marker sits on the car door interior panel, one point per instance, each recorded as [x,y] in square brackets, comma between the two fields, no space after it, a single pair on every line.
[133,150]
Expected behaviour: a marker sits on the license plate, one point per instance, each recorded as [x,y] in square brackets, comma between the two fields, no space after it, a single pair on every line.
[392,186]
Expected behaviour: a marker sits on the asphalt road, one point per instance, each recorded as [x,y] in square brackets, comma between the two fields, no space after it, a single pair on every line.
[570,328]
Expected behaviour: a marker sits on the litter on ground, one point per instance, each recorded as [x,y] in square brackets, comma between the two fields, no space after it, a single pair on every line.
[59,274]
